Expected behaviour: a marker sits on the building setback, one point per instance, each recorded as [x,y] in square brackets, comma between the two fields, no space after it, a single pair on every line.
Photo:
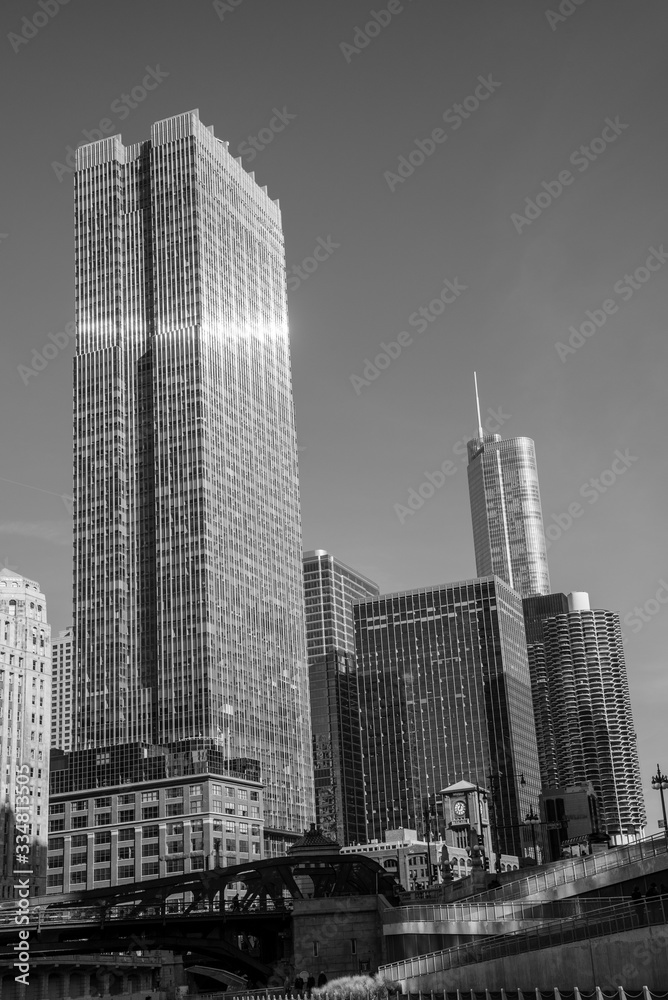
[594,736]
[62,668]
[330,588]
[188,591]
[506,512]
[25,728]
[446,696]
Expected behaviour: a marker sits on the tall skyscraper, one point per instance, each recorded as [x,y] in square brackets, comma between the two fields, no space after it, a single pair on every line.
[188,589]
[536,611]
[62,674]
[507,517]
[330,589]
[25,727]
[446,697]
[594,736]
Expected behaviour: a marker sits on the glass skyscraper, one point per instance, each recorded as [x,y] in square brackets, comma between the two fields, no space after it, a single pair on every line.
[330,589]
[188,600]
[446,697]
[506,513]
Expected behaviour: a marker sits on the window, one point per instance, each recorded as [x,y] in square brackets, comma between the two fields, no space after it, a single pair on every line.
[175,793]
[255,796]
[229,791]
[80,806]
[126,815]
[78,858]
[230,845]
[150,796]
[126,871]
[150,868]
[103,837]
[56,807]
[128,834]
[125,853]
[255,829]
[243,847]
[56,824]
[229,808]
[79,840]
[255,812]
[256,847]
[57,843]
[150,812]
[217,805]
[102,856]
[78,878]
[175,809]
[196,843]
[217,826]
[174,829]
[230,826]
[353,946]
[196,805]
[126,800]
[243,810]
[150,850]
[195,789]
[150,831]
[101,874]
[316,949]
[242,793]
[243,827]
[103,803]
[215,790]
[55,879]
[197,863]
[102,819]
[175,864]
[175,847]
[79,821]
[196,825]
[56,861]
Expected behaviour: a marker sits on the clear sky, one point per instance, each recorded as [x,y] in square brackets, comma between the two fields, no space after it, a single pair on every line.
[334,122]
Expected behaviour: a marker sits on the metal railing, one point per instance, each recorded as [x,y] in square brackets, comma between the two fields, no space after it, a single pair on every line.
[502,910]
[608,920]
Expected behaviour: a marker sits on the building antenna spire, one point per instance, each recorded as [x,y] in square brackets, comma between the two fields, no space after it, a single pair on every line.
[477,403]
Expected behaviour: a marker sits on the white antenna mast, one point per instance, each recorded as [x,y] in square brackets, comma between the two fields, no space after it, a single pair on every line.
[477,403]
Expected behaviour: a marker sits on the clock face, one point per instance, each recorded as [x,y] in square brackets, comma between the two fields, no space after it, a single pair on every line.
[459,808]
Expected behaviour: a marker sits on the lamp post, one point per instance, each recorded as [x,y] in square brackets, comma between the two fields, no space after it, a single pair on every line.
[427,814]
[660,783]
[494,785]
[532,819]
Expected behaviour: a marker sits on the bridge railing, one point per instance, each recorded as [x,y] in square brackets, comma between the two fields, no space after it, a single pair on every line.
[609,920]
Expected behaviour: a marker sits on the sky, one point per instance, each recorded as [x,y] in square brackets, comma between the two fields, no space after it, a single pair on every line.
[509,156]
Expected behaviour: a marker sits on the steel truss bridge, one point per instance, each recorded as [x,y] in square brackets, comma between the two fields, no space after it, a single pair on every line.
[190,914]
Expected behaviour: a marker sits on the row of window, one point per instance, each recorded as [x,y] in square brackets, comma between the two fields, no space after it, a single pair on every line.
[151,832]
[153,795]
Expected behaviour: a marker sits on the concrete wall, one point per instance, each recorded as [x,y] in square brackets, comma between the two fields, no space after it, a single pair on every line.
[330,926]
[633,959]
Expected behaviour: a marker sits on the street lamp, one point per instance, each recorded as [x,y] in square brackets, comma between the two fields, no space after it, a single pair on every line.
[532,819]
[427,813]
[660,782]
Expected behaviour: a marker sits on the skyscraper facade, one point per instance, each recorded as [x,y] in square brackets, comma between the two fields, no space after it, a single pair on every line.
[188,599]
[506,512]
[594,736]
[25,726]
[536,611]
[330,589]
[62,675]
[446,697]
